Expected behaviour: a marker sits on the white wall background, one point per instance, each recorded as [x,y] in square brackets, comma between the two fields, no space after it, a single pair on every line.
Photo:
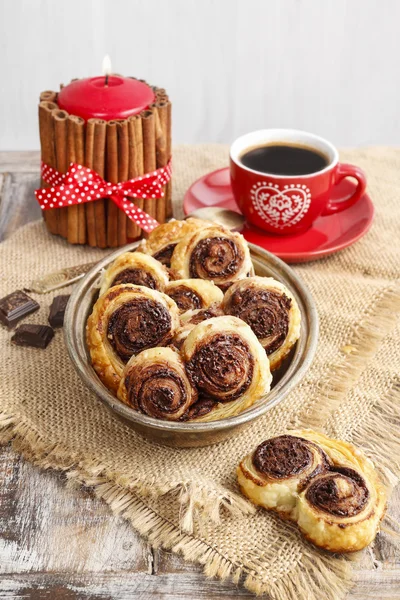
[230,66]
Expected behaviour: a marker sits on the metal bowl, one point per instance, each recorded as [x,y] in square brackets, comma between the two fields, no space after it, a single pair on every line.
[190,434]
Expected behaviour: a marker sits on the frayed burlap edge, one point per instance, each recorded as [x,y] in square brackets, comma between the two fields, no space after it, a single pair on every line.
[377,434]
[303,582]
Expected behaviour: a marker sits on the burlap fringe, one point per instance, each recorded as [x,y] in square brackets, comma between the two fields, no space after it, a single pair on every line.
[307,580]
[342,376]
[200,501]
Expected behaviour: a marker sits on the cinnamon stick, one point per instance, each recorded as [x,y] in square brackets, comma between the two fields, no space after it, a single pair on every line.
[48,154]
[48,96]
[123,170]
[75,143]
[135,166]
[60,118]
[112,176]
[79,126]
[161,114]
[168,192]
[95,159]
[149,155]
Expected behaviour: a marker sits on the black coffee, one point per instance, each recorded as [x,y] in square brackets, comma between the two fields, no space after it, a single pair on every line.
[281,159]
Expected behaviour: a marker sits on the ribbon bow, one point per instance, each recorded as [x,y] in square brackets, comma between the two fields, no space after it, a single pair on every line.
[81,184]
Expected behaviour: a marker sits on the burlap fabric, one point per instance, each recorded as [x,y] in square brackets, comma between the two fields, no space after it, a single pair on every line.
[187,500]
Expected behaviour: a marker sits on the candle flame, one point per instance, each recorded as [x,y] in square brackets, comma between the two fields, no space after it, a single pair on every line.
[106,66]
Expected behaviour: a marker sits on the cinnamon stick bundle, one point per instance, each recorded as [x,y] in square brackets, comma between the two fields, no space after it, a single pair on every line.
[95,159]
[60,118]
[117,150]
[48,154]
[149,155]
[135,166]
[76,154]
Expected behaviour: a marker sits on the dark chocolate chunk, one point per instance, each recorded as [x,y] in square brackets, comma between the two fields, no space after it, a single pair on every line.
[36,336]
[15,307]
[57,311]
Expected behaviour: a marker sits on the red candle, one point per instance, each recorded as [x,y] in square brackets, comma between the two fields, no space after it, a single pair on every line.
[108,97]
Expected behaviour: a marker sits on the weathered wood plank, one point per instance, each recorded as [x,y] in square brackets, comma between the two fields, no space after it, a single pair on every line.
[46,526]
[18,204]
[132,586]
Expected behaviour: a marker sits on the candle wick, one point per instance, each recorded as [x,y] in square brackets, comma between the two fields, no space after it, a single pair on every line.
[106,81]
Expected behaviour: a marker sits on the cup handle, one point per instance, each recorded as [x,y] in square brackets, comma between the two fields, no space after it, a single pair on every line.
[342,171]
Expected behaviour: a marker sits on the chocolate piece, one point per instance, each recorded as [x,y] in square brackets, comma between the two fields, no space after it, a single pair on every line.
[35,336]
[15,307]
[57,311]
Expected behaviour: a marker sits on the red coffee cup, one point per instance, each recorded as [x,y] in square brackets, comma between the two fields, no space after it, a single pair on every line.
[287,204]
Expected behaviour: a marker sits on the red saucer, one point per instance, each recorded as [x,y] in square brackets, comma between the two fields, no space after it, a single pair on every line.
[326,236]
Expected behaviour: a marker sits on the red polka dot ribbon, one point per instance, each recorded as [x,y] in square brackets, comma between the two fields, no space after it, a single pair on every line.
[80,184]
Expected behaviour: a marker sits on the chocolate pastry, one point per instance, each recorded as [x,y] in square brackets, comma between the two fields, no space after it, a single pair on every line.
[225,362]
[213,253]
[126,320]
[162,240]
[328,487]
[271,311]
[193,294]
[136,268]
[155,383]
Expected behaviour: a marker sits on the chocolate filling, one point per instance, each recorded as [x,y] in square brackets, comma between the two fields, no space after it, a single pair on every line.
[138,324]
[222,367]
[206,313]
[199,409]
[156,390]
[287,456]
[216,257]
[165,254]
[267,313]
[137,277]
[342,493]
[186,298]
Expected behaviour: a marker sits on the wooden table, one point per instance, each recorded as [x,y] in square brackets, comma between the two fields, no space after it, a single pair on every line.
[61,543]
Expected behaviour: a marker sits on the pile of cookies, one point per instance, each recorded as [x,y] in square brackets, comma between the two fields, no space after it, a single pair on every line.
[183,329]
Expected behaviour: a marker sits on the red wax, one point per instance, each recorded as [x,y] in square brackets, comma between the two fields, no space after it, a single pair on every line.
[91,98]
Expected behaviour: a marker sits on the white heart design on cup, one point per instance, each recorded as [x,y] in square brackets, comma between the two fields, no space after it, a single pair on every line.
[281,207]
